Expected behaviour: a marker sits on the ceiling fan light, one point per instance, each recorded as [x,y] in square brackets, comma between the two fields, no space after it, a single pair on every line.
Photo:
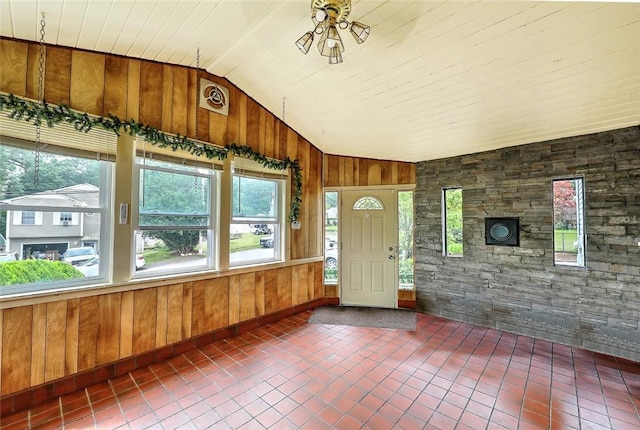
[359,31]
[329,40]
[335,56]
[304,43]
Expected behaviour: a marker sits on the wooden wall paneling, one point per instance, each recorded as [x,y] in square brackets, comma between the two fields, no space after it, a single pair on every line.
[269,134]
[109,319]
[233,119]
[162,316]
[260,298]
[270,291]
[151,87]
[87,333]
[252,124]
[302,155]
[247,296]
[193,83]
[187,302]
[58,75]
[374,172]
[314,199]
[394,172]
[283,132]
[167,97]
[356,172]
[71,336]
[116,72]
[332,170]
[295,285]
[385,173]
[198,316]
[33,71]
[363,167]
[38,343]
[318,279]
[87,82]
[126,324]
[16,345]
[133,89]
[179,101]
[406,173]
[144,320]
[243,102]
[203,116]
[55,348]
[174,313]
[234,299]
[348,175]
[262,128]
[217,299]
[13,67]
[341,171]
[303,283]
[284,288]
[217,129]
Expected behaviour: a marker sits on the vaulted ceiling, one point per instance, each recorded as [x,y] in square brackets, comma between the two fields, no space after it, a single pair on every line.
[434,79]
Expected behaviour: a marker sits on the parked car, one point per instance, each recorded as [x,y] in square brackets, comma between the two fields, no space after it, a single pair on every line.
[75,256]
[91,267]
[8,256]
[261,229]
[331,258]
[266,242]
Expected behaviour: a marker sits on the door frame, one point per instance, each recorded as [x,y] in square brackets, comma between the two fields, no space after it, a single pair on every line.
[372,188]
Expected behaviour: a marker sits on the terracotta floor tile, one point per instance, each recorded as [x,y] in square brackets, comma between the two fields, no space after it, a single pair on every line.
[291,375]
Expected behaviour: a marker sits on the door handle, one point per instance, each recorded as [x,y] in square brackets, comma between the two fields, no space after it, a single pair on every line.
[391,257]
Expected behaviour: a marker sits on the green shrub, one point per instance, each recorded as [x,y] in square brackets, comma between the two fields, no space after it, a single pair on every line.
[32,271]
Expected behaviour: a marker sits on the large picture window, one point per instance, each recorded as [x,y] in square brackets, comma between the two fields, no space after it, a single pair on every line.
[257,213]
[174,229]
[568,222]
[54,225]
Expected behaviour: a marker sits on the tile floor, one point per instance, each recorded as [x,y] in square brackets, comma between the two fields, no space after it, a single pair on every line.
[291,375]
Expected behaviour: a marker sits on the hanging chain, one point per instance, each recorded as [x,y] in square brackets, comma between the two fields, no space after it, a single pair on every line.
[36,162]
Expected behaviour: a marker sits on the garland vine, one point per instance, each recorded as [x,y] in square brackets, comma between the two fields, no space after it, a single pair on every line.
[40,113]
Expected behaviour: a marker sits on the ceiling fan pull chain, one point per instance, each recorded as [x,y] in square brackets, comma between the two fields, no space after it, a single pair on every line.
[36,161]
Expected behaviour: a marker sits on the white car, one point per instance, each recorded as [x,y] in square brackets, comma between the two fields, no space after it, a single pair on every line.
[92,267]
[75,256]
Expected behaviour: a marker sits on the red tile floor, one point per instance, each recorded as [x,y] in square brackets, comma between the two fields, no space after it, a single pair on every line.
[291,375]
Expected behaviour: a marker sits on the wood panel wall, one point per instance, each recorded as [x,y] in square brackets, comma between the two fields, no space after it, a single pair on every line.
[342,171]
[47,341]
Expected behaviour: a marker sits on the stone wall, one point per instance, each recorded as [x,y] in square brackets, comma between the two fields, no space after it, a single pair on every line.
[519,289]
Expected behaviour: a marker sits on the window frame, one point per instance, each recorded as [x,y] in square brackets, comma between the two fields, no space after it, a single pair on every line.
[209,173]
[581,228]
[445,229]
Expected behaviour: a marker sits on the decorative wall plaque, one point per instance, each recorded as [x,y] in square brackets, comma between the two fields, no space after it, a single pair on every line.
[214,97]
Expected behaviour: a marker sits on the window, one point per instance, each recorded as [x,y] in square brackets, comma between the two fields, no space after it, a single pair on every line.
[452,222]
[174,226]
[368,203]
[31,216]
[27,217]
[568,222]
[331,238]
[405,239]
[257,213]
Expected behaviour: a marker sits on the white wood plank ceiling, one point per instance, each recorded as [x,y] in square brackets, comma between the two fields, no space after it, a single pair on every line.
[434,79]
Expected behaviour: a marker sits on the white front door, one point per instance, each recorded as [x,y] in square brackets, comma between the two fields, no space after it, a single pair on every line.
[368,259]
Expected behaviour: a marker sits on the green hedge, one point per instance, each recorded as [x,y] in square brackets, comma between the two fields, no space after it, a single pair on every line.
[31,271]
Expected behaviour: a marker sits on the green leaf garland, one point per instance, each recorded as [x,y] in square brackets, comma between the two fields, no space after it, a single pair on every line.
[40,113]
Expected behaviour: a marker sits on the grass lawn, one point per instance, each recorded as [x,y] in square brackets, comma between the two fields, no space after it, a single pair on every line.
[245,241]
[565,240]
